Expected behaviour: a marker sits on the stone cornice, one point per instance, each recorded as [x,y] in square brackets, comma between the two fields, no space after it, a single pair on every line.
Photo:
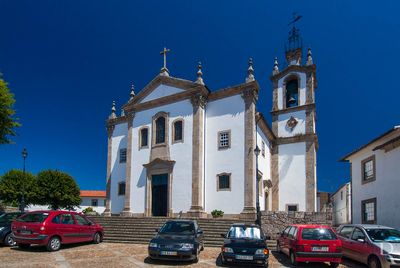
[294,68]
[298,138]
[234,90]
[116,121]
[262,123]
[306,107]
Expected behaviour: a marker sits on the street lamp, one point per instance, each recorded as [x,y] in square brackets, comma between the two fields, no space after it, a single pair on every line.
[22,205]
[258,220]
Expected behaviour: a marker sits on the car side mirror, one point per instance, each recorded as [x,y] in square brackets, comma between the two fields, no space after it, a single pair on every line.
[156,230]
[199,232]
[90,223]
[223,235]
[362,240]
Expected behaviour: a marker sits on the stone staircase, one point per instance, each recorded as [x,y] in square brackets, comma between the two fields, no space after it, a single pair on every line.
[141,230]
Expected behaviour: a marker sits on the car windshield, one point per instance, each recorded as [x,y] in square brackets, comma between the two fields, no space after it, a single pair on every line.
[8,217]
[33,217]
[318,234]
[177,227]
[247,232]
[384,235]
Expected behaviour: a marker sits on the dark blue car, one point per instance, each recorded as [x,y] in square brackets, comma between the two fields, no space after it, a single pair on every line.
[6,236]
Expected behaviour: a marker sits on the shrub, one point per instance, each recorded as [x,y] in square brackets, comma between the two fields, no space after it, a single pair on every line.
[89,211]
[217,213]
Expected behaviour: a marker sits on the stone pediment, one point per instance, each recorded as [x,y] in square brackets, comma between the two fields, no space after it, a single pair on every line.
[160,164]
[165,87]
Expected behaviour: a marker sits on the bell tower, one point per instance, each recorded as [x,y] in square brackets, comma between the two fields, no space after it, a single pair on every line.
[293,162]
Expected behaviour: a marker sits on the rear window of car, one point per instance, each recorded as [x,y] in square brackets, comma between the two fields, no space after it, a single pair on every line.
[318,234]
[34,217]
[346,231]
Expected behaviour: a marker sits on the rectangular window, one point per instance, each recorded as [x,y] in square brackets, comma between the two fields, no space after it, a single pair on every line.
[224,182]
[292,208]
[263,148]
[105,202]
[121,188]
[178,130]
[224,139]
[368,169]
[94,202]
[144,137]
[368,209]
[341,195]
[122,155]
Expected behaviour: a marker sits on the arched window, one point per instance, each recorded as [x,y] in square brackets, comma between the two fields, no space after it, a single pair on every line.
[292,93]
[178,130]
[144,137]
[160,130]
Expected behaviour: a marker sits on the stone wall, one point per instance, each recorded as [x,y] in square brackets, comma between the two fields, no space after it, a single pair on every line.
[275,222]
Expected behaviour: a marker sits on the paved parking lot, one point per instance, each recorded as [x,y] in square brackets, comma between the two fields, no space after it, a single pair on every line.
[116,255]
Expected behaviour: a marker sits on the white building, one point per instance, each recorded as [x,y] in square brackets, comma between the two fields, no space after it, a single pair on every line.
[375,169]
[341,205]
[93,199]
[180,148]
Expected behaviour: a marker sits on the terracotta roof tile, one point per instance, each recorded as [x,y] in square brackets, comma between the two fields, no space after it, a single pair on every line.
[88,193]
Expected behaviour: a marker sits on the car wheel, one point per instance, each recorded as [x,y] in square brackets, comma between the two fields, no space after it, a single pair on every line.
[23,245]
[96,238]
[9,240]
[293,258]
[196,259]
[374,262]
[54,244]
[334,264]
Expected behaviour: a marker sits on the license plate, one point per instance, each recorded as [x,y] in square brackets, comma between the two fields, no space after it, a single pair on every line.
[320,249]
[24,232]
[244,257]
[169,253]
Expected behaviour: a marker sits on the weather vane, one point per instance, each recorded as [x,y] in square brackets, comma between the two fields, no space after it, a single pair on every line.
[295,18]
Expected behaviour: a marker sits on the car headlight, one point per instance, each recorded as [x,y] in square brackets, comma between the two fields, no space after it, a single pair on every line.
[262,251]
[1,228]
[187,246]
[228,250]
[153,245]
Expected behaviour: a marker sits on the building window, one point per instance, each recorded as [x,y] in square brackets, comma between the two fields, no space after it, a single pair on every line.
[121,188]
[94,202]
[122,155]
[292,207]
[105,203]
[224,182]
[368,169]
[368,210]
[341,195]
[178,130]
[292,93]
[224,139]
[160,130]
[263,148]
[144,137]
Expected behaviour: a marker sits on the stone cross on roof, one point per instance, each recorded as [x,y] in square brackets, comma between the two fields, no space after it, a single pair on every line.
[164,70]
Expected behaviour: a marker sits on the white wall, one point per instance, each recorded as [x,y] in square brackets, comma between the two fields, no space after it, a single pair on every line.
[341,206]
[225,114]
[292,175]
[179,152]
[87,202]
[264,166]
[300,128]
[385,188]
[119,141]
[162,91]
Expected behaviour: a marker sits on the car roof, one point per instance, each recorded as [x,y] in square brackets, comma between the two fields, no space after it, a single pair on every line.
[311,225]
[245,224]
[367,226]
[182,220]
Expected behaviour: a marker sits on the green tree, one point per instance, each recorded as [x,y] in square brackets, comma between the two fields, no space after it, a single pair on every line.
[7,122]
[14,183]
[57,189]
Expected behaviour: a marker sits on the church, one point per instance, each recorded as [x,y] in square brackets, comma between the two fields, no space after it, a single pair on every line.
[178,148]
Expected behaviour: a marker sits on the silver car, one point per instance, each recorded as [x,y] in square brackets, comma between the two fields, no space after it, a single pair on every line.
[375,245]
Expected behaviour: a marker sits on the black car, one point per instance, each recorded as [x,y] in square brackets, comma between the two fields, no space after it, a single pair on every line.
[6,236]
[180,240]
[245,244]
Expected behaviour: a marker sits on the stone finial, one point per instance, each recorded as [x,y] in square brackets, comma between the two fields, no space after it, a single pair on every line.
[275,70]
[199,75]
[113,114]
[250,72]
[309,58]
[132,92]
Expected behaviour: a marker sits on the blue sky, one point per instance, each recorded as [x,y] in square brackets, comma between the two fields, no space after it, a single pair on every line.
[66,61]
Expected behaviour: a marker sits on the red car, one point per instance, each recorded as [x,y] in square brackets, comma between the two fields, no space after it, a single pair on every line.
[310,243]
[53,228]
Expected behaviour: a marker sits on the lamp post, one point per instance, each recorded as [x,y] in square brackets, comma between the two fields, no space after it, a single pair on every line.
[258,220]
[22,205]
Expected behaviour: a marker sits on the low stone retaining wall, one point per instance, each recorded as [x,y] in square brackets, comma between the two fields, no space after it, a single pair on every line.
[275,222]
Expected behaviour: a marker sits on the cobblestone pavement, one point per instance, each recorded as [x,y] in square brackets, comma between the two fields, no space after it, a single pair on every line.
[117,255]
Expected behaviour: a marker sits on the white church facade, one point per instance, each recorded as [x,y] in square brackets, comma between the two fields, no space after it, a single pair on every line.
[180,149]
